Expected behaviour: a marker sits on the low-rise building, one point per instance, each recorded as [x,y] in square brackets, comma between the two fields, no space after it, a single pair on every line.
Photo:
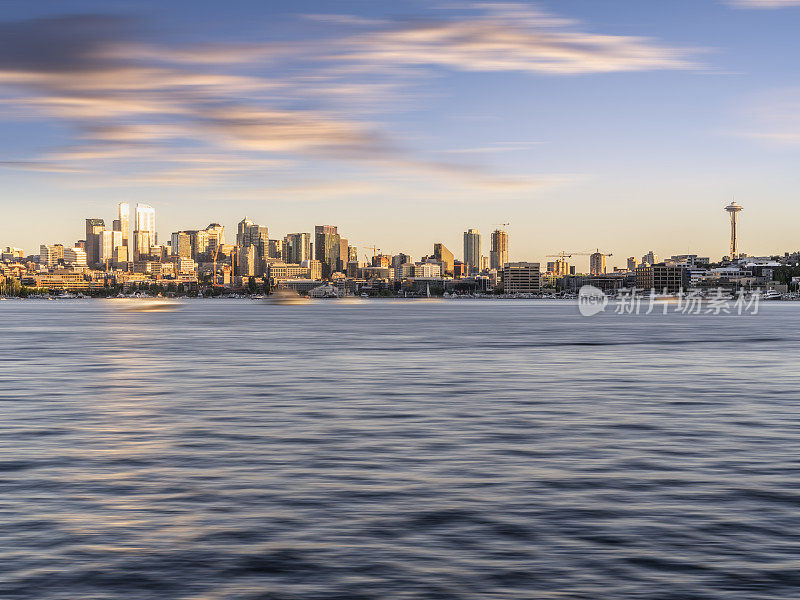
[521,278]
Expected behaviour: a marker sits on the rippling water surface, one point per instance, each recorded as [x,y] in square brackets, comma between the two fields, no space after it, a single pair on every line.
[235,450]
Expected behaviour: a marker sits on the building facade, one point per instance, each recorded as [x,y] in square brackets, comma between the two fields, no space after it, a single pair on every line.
[498,256]
[522,278]
[472,250]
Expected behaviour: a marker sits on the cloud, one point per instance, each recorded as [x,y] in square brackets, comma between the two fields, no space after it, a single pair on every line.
[511,37]
[133,102]
[763,3]
[774,117]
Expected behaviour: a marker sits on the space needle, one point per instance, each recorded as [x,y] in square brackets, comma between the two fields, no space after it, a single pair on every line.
[733,209]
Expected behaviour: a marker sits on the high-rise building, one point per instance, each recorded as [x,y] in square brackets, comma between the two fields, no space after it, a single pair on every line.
[75,257]
[248,261]
[498,256]
[649,259]
[124,221]
[141,245]
[275,249]
[401,259]
[559,268]
[297,247]
[181,244]
[472,250]
[444,256]
[108,241]
[326,248]
[249,233]
[216,237]
[381,260]
[146,221]
[343,254]
[597,263]
[93,229]
[521,278]
[631,263]
[11,254]
[50,255]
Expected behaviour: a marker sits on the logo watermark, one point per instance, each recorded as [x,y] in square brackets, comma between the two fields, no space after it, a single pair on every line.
[717,301]
[591,300]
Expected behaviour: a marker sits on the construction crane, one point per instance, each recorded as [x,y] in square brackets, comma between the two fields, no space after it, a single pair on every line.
[565,255]
[374,250]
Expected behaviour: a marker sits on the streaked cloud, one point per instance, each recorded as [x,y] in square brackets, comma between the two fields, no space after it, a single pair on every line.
[133,102]
[512,37]
[763,3]
[773,117]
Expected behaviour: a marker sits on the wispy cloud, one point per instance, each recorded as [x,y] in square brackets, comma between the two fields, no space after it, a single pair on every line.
[763,3]
[511,37]
[773,117]
[134,102]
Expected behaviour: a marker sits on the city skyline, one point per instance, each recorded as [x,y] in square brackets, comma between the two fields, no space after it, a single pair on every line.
[319,114]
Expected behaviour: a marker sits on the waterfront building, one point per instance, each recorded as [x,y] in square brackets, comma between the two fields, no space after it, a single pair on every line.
[310,269]
[472,250]
[499,253]
[661,278]
[426,270]
[444,256]
[521,278]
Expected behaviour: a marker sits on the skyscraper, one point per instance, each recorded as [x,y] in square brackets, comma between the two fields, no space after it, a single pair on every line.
[108,241]
[124,222]
[444,256]
[249,233]
[472,250]
[297,247]
[181,244]
[631,263]
[145,221]
[326,247]
[498,256]
[650,258]
[597,263]
[144,234]
[94,227]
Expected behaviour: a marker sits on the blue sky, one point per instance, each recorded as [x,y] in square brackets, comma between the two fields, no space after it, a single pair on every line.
[624,125]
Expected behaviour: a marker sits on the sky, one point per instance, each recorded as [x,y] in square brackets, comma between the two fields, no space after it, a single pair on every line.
[619,125]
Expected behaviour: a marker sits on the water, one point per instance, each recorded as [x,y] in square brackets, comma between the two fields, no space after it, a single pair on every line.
[455,450]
